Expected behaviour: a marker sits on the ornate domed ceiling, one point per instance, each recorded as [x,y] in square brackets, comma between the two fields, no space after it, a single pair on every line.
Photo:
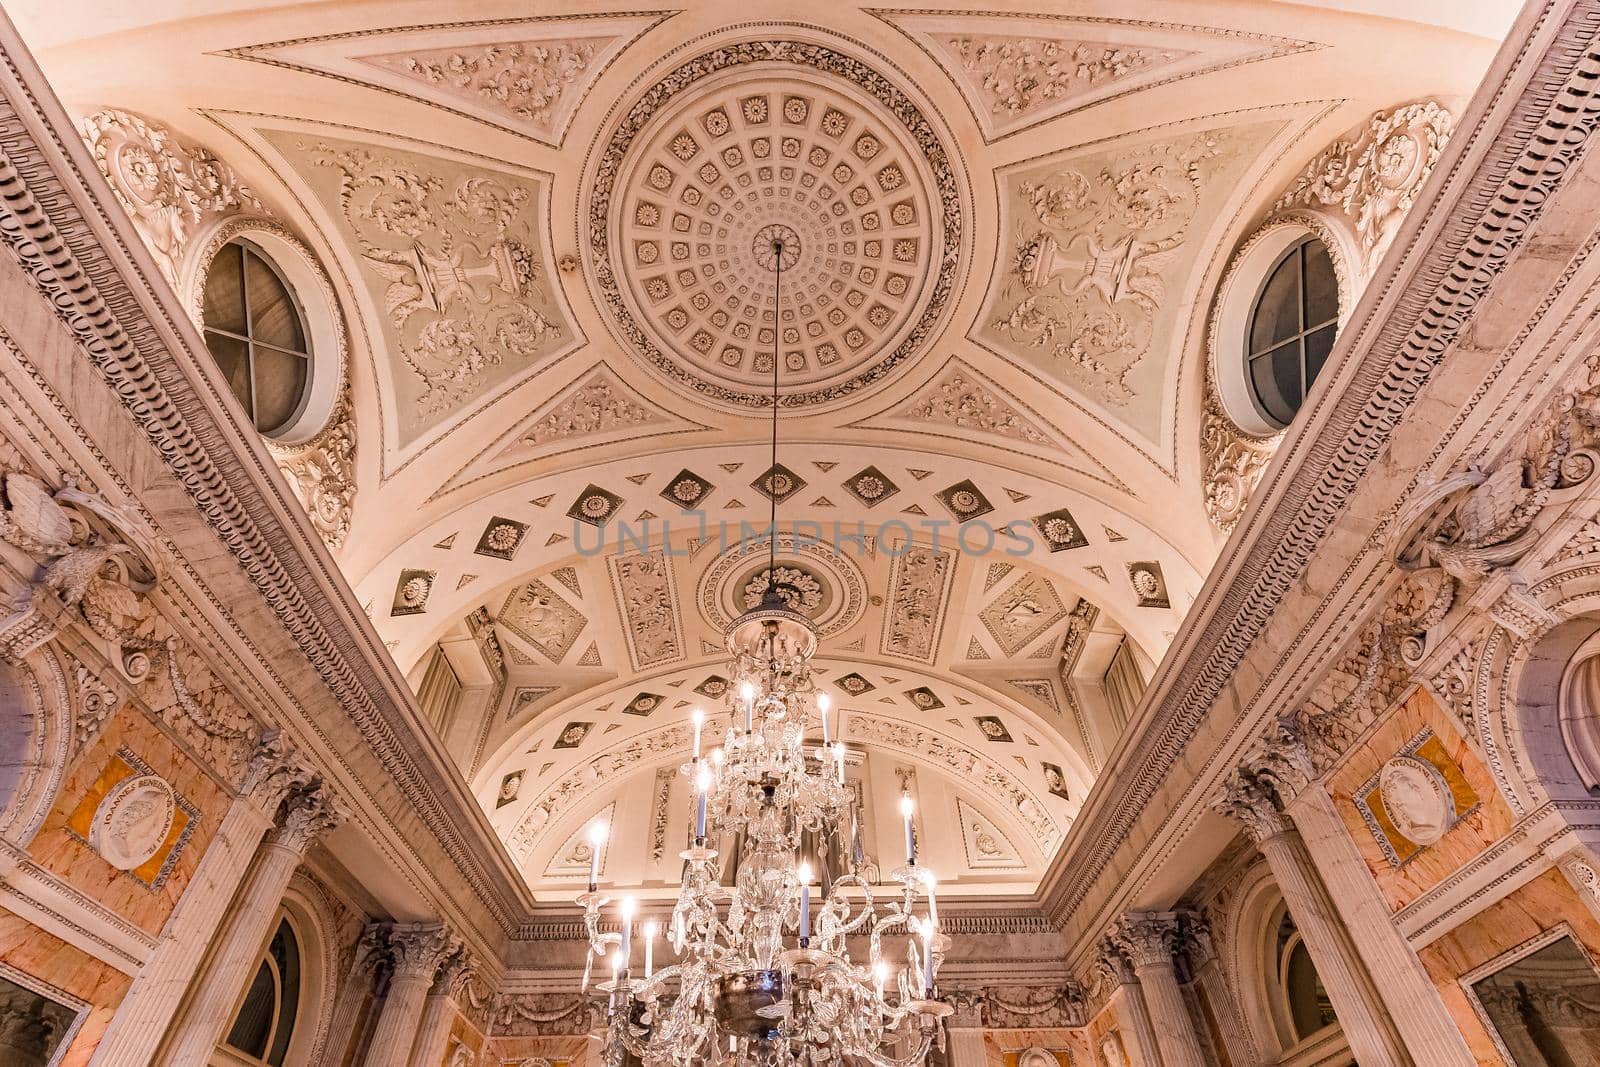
[774,140]
[540,246]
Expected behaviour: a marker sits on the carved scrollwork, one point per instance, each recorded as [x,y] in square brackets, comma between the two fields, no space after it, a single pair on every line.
[169,187]
[1374,177]
[95,566]
[1362,185]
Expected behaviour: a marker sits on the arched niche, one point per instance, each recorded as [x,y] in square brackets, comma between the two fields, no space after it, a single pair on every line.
[35,741]
[1578,710]
[307,914]
[1271,974]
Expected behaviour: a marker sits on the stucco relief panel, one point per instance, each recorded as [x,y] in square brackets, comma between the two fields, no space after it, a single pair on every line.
[1098,253]
[1018,71]
[454,260]
[525,75]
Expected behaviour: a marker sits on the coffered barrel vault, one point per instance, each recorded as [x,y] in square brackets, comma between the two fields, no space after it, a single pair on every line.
[1174,419]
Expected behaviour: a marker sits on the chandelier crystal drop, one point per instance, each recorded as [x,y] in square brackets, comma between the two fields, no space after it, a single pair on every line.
[797,961]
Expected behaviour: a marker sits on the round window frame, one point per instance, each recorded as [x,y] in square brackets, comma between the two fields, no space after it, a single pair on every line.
[313,295]
[1242,283]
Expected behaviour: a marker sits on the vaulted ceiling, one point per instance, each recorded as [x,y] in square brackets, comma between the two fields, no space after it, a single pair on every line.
[547,237]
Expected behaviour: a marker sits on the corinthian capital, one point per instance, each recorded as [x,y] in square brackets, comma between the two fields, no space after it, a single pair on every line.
[1113,963]
[1285,763]
[421,950]
[1195,929]
[968,1005]
[1147,938]
[276,770]
[1247,801]
[306,815]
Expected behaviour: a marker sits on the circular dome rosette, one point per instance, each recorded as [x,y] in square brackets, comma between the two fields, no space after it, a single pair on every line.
[758,155]
[823,586]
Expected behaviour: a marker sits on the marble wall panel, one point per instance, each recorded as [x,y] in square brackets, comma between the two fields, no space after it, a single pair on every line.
[1477,829]
[139,895]
[51,960]
[1521,916]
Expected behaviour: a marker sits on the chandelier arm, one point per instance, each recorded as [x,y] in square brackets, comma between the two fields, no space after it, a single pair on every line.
[918,1055]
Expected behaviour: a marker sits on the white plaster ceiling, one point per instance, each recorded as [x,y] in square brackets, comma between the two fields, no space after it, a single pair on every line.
[543,229]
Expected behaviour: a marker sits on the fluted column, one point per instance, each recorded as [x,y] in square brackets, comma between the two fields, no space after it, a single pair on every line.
[353,992]
[1138,1033]
[449,989]
[1208,975]
[1367,1026]
[964,1047]
[307,815]
[146,1012]
[418,951]
[1410,997]
[1148,939]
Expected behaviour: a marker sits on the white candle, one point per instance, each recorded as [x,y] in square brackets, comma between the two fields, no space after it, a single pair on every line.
[927,958]
[650,929]
[838,756]
[702,784]
[699,719]
[626,948]
[597,840]
[911,841]
[616,972]
[677,930]
[747,693]
[804,873]
[880,974]
[824,702]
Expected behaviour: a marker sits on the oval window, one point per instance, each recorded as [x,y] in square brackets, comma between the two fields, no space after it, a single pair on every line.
[1291,330]
[256,331]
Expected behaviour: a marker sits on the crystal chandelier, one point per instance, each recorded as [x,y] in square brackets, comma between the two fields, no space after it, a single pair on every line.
[763,972]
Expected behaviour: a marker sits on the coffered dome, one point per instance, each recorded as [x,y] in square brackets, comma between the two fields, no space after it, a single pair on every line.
[749,146]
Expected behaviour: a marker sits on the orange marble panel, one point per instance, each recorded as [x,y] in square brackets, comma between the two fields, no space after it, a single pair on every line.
[48,958]
[1520,916]
[462,1032]
[81,821]
[1463,842]
[1004,1047]
[560,1051]
[1101,1025]
[61,849]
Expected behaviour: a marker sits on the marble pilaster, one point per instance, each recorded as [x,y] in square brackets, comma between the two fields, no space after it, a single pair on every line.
[1412,1000]
[1208,976]
[146,1013]
[307,815]
[354,989]
[439,1009]
[1139,1034]
[1148,939]
[1361,1012]
[418,952]
[965,1046]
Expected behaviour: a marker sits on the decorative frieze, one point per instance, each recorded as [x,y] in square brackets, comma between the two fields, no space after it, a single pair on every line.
[544,1014]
